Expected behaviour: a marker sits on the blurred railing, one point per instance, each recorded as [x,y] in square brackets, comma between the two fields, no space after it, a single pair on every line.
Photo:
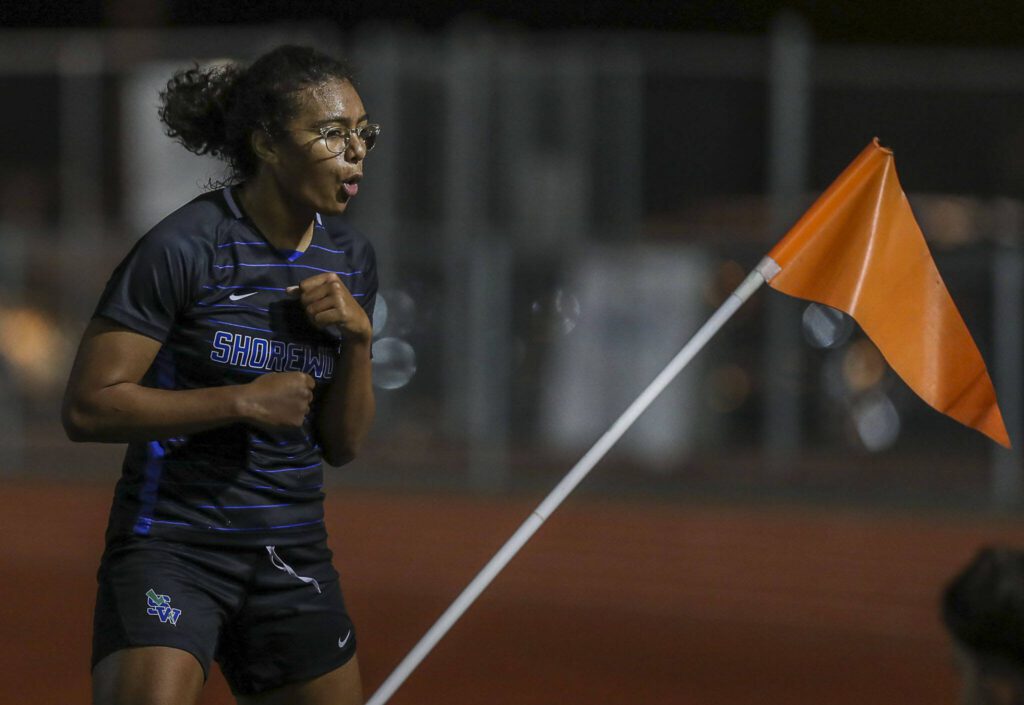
[554,214]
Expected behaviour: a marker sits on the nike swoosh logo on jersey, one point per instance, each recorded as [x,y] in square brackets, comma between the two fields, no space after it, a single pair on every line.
[239,297]
[342,642]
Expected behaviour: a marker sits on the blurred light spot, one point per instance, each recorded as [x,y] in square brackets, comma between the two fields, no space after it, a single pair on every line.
[826,327]
[863,366]
[380,315]
[877,421]
[32,345]
[728,387]
[950,221]
[555,314]
[394,363]
[401,314]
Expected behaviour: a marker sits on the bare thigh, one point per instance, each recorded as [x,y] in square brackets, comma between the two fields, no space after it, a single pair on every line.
[147,675]
[341,686]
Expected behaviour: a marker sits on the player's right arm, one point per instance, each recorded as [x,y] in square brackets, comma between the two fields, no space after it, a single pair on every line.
[105,400]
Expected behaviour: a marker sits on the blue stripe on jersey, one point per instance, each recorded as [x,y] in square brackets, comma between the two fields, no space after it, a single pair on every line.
[239,242]
[243,485]
[261,288]
[290,266]
[327,249]
[248,306]
[163,365]
[267,528]
[239,325]
[147,496]
[232,528]
[254,452]
[301,488]
[269,472]
[245,506]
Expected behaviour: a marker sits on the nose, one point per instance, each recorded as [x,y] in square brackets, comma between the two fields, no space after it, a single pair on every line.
[356,151]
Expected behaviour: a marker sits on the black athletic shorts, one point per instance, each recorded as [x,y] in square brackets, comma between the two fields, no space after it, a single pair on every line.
[268,616]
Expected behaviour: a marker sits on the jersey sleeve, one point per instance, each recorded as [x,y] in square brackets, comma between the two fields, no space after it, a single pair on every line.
[152,285]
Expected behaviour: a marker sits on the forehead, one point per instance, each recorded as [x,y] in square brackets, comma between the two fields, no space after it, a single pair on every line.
[334,99]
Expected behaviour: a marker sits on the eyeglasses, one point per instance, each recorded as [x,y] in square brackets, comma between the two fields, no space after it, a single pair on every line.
[337,139]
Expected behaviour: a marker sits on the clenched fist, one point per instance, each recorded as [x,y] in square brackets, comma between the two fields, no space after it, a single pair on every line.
[277,400]
[330,305]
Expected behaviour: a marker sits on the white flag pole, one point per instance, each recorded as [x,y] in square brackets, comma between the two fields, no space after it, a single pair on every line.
[764,271]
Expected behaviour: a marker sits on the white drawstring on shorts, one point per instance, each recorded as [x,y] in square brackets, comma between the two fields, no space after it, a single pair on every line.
[281,565]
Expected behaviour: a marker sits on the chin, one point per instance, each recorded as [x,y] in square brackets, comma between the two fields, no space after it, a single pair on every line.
[333,208]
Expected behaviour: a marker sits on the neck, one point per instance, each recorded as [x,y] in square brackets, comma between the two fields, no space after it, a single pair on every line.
[282,223]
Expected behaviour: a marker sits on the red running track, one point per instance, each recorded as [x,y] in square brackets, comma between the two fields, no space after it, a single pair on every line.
[611,602]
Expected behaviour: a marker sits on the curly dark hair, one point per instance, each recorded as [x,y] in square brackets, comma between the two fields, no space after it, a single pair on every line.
[214,110]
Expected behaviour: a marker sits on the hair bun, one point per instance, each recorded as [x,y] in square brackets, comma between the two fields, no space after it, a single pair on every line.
[195,105]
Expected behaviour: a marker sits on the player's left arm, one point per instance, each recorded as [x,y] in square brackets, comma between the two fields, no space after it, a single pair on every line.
[348,406]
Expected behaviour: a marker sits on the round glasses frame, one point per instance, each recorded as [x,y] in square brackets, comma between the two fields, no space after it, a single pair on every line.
[338,139]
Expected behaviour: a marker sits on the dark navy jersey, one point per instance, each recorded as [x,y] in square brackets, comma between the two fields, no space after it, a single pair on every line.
[207,285]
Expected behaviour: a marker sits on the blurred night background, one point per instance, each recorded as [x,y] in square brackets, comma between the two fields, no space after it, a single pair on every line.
[562,194]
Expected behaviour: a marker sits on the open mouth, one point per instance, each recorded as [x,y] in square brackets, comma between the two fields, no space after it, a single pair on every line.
[351,185]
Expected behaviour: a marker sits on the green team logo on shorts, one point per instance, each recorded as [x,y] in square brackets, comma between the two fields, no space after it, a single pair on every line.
[160,606]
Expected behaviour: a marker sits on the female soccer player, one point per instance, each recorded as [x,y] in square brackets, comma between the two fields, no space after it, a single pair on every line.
[231,351]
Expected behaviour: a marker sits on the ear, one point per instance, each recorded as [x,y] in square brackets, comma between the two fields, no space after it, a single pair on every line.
[263,146]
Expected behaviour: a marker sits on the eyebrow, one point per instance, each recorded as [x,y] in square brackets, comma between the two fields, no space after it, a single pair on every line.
[343,120]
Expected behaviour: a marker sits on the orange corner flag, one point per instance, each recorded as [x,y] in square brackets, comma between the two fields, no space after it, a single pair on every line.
[859,249]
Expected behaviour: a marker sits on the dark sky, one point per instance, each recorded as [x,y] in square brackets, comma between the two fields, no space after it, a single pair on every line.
[947,22]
